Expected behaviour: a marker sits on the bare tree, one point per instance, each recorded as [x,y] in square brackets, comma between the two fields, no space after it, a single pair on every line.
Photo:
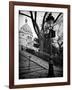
[38,31]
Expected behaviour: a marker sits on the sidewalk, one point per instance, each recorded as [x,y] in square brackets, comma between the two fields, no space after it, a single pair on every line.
[30,69]
[38,66]
[36,59]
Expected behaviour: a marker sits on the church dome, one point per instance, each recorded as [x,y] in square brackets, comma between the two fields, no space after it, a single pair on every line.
[26,29]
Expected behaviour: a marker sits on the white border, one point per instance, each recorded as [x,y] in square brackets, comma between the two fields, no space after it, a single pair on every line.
[16,46]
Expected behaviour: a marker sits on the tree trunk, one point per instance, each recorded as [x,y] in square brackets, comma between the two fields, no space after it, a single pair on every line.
[41,41]
[41,45]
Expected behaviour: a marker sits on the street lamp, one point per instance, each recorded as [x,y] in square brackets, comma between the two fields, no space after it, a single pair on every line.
[48,37]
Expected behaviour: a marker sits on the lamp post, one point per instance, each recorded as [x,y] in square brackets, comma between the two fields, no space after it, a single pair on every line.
[48,37]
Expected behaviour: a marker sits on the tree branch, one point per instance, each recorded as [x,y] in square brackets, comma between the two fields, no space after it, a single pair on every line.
[57,17]
[35,15]
[43,21]
[36,28]
[24,14]
[33,22]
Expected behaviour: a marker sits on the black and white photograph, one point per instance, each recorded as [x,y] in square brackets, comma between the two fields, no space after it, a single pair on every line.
[40,44]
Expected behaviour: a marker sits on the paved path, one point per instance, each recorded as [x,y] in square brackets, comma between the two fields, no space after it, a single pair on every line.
[30,69]
[34,67]
[36,59]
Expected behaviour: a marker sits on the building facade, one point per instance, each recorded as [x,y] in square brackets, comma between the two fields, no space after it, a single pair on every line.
[25,37]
